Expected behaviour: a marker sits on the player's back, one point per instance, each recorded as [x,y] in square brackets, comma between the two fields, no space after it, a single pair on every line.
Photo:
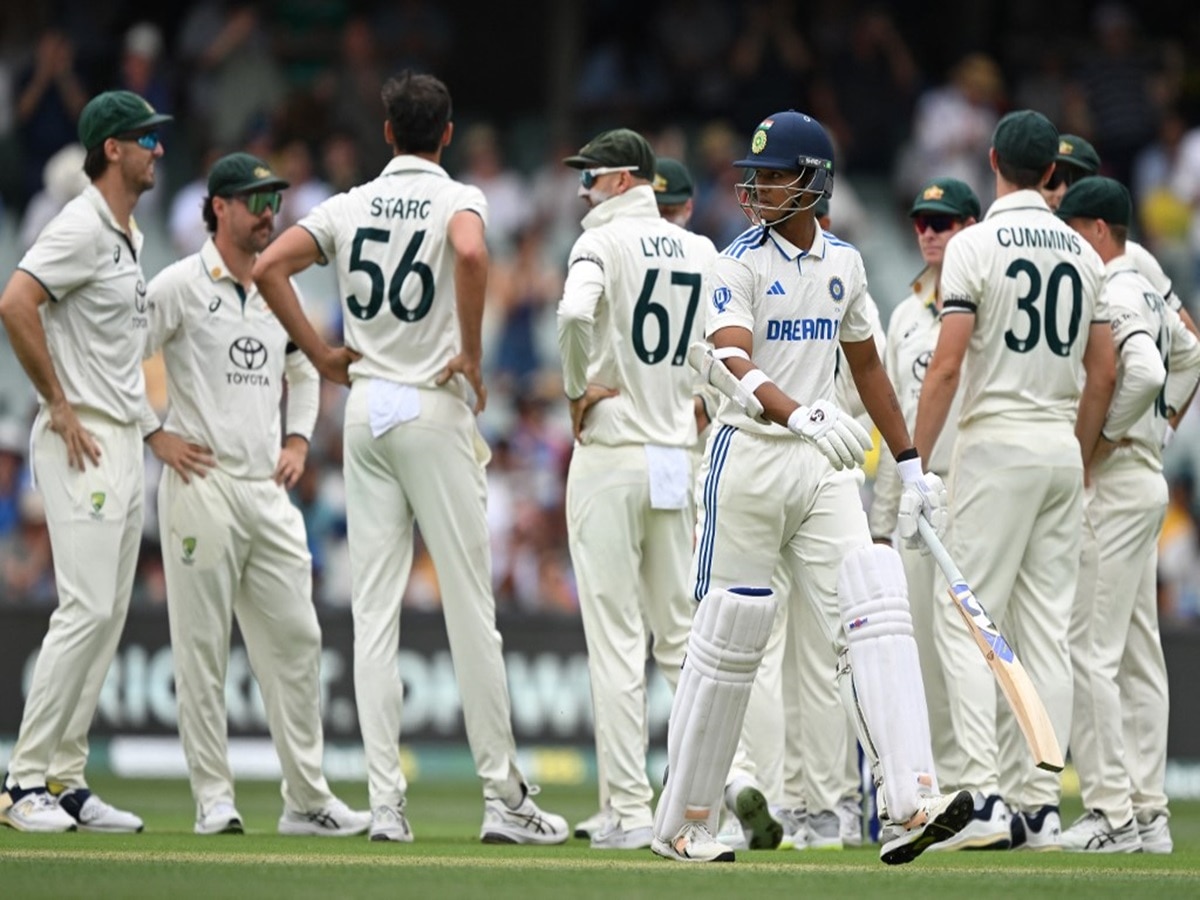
[1033,284]
[395,267]
[655,274]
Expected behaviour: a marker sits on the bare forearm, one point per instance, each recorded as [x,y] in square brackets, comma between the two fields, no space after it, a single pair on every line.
[28,339]
[276,289]
[937,394]
[879,397]
[470,284]
[1093,407]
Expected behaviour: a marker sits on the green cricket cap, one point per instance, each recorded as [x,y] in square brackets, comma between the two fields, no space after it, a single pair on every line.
[1076,151]
[1097,198]
[115,112]
[672,182]
[946,195]
[619,147]
[241,173]
[1026,139]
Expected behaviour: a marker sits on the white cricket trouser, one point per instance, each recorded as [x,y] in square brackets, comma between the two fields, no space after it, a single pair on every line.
[431,470]
[95,523]
[1119,731]
[1015,529]
[235,546]
[944,645]
[631,566]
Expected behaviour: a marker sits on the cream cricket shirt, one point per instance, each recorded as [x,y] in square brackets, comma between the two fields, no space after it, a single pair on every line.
[1143,260]
[631,305]
[226,357]
[395,267]
[1034,286]
[96,320]
[1138,309]
[798,304]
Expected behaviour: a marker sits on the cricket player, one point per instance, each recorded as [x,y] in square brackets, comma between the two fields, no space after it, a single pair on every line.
[629,311]
[778,488]
[232,541]
[1023,320]
[412,268]
[942,208]
[75,313]
[1121,708]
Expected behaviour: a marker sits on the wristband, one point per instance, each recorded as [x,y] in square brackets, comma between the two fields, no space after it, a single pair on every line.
[905,455]
[754,379]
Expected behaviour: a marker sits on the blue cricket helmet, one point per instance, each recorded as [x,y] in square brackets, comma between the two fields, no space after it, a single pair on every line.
[794,142]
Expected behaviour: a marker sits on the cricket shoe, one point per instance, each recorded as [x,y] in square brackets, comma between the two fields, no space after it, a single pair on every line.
[731,833]
[693,843]
[93,814]
[824,830]
[850,816]
[389,823]
[1156,834]
[795,827]
[223,818]
[749,804]
[989,827]
[523,824]
[34,810]
[1041,830]
[1091,833]
[335,819]
[939,818]
[592,823]
[613,836]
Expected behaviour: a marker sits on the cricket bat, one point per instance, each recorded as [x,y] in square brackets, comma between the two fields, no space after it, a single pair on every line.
[1014,681]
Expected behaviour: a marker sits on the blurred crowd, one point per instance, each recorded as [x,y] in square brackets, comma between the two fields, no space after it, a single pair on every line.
[298,82]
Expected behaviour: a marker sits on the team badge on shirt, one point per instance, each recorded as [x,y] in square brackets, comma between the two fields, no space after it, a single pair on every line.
[837,290]
[189,550]
[721,298]
[97,498]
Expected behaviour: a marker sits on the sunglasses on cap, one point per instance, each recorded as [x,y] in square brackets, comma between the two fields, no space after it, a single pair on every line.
[936,223]
[1064,174]
[588,177]
[259,203]
[147,140]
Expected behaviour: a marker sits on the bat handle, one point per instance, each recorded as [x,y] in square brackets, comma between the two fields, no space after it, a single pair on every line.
[940,554]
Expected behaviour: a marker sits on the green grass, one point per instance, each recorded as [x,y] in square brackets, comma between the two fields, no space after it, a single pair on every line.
[447,860]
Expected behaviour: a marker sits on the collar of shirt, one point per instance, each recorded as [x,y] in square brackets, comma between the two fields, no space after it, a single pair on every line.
[791,251]
[407,162]
[1117,265]
[92,194]
[924,286]
[214,263]
[1026,199]
[635,202]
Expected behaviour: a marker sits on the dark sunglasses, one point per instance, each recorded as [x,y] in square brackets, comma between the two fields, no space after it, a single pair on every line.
[260,202]
[147,140]
[1063,174]
[937,223]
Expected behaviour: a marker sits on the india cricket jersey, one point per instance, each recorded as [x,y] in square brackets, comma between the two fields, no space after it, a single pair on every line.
[1033,284]
[631,305]
[226,356]
[798,304]
[395,269]
[96,319]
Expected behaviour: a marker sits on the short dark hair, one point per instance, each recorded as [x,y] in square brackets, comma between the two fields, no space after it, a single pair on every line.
[95,163]
[210,215]
[1020,176]
[418,106]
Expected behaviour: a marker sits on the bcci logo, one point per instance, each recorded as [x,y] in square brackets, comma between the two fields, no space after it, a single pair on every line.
[189,550]
[248,353]
[97,500]
[837,290]
[721,298]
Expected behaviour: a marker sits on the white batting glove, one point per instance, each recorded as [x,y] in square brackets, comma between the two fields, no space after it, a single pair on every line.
[841,439]
[924,495]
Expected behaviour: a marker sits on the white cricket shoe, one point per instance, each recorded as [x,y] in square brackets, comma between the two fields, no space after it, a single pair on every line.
[526,824]
[335,819]
[850,819]
[749,804]
[35,811]
[989,827]
[587,827]
[93,814]
[1156,834]
[613,836]
[731,833]
[223,818]
[1091,833]
[1041,830]
[794,822]
[939,818]
[824,830]
[693,843]
[389,823]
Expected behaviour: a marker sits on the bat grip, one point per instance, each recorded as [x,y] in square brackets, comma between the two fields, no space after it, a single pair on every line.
[940,554]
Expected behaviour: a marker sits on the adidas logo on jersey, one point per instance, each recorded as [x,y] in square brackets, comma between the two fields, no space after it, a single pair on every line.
[776,290]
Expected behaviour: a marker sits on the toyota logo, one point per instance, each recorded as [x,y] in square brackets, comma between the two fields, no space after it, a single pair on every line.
[248,353]
[920,364]
[139,296]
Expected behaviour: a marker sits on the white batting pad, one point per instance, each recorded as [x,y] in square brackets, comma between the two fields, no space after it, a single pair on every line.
[726,645]
[887,694]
